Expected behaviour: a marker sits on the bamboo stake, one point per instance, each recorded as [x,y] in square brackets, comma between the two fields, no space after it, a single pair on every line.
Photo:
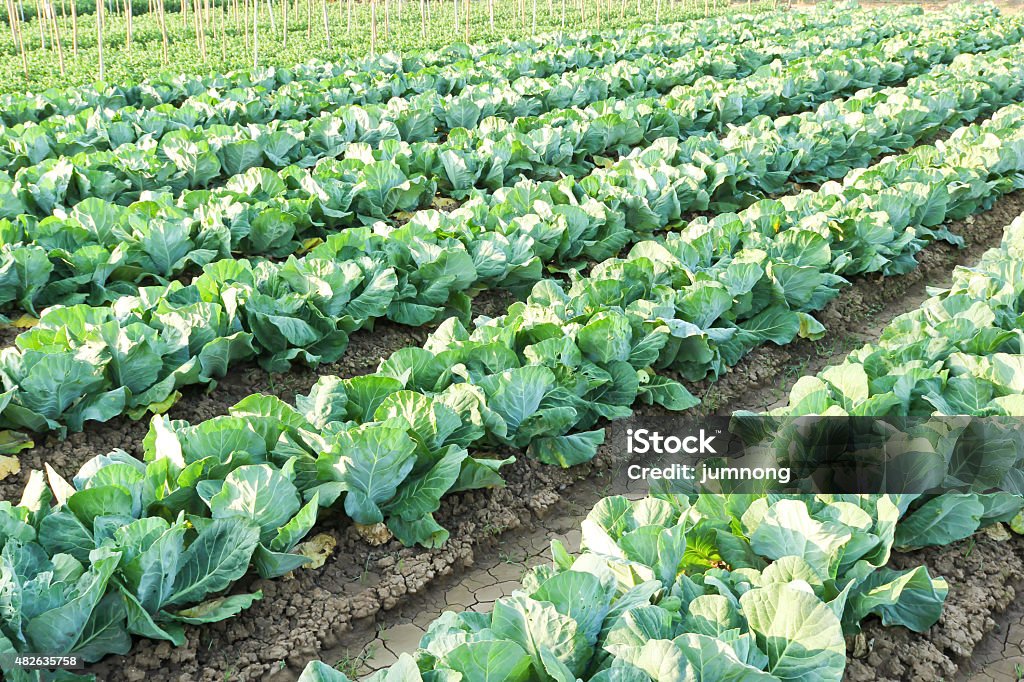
[423,19]
[163,29]
[12,14]
[39,21]
[56,36]
[74,29]
[128,25]
[195,27]
[8,7]
[373,27]
[490,13]
[387,18]
[327,25]
[255,36]
[466,13]
[223,32]
[99,36]
[309,19]
[348,26]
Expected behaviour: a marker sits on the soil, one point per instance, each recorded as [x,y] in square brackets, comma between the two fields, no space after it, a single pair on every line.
[309,616]
[999,656]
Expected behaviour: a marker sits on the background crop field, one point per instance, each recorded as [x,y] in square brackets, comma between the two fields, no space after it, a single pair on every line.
[222,35]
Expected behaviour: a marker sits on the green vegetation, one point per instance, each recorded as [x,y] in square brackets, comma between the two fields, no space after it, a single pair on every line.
[165,231]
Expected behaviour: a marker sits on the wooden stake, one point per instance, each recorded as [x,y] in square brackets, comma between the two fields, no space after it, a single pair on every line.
[56,36]
[10,21]
[39,20]
[255,36]
[74,29]
[99,36]
[373,27]
[128,25]
[327,25]
[16,21]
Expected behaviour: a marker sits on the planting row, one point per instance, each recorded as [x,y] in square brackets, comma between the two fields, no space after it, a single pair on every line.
[100,251]
[959,353]
[669,588]
[196,158]
[104,129]
[305,308]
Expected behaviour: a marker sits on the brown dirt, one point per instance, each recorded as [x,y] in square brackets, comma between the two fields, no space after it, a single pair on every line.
[302,618]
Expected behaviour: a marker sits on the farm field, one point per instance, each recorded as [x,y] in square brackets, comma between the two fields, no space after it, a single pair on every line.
[323,323]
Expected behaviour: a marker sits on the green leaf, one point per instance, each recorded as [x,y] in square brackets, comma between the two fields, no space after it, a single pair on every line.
[218,556]
[489,661]
[259,493]
[802,637]
[940,521]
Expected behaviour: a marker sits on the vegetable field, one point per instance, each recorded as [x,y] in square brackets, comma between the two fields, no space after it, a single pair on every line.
[323,324]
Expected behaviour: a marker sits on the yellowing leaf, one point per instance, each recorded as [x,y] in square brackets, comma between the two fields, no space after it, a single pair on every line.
[442,203]
[317,548]
[156,408]
[997,532]
[9,466]
[376,534]
[309,245]
[25,322]
[12,442]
